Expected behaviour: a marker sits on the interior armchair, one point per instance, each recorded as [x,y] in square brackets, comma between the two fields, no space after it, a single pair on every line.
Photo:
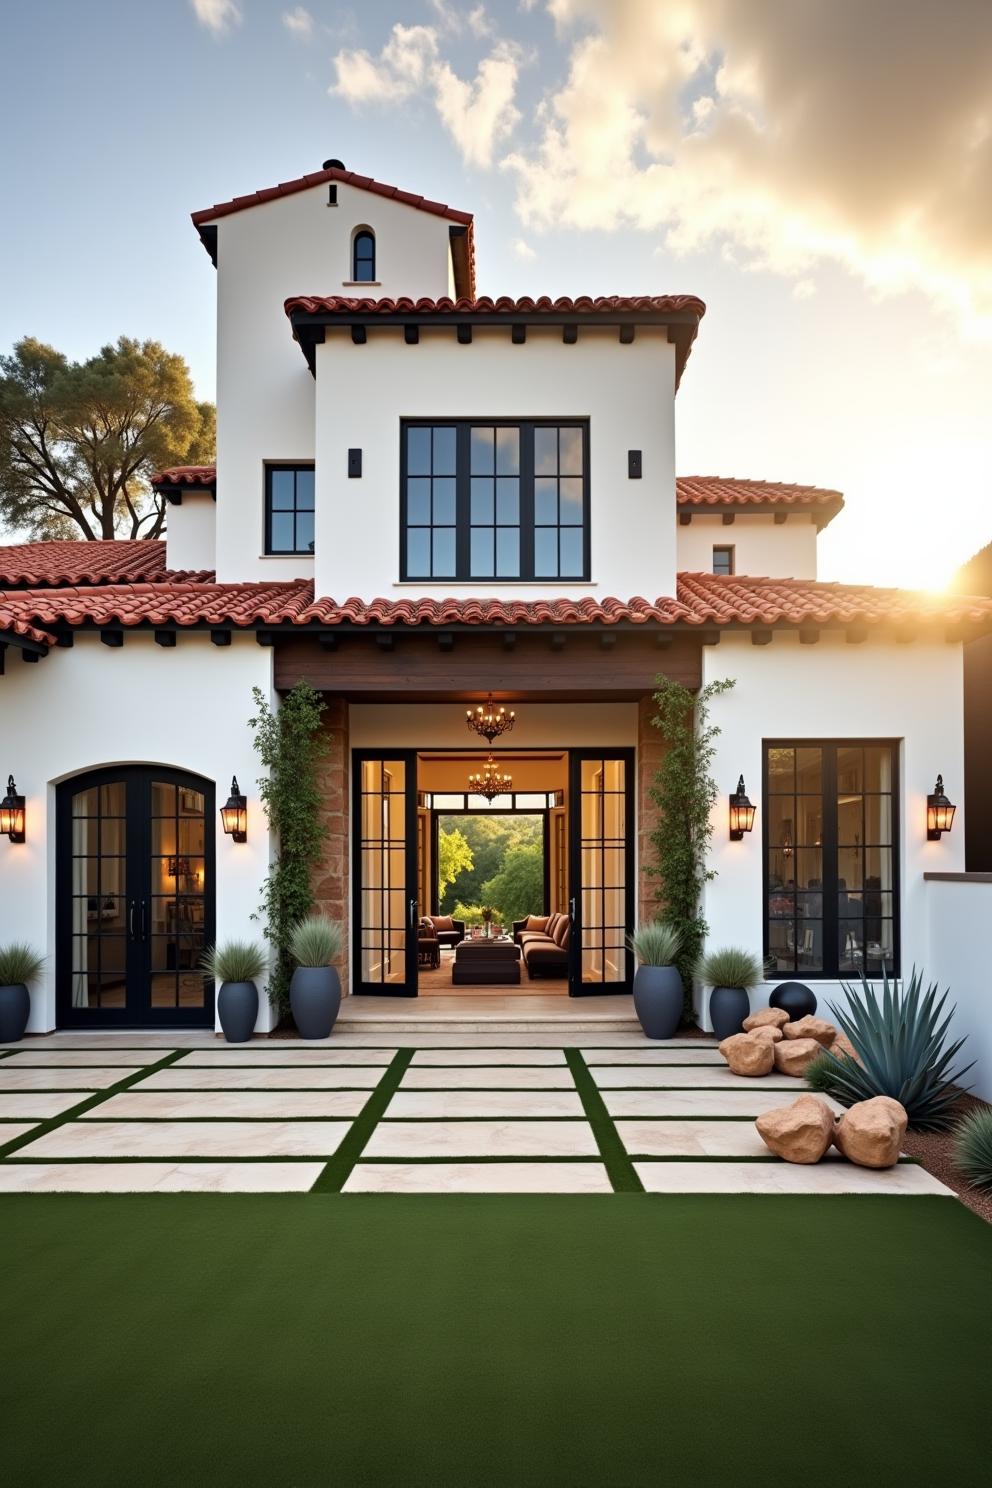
[448,931]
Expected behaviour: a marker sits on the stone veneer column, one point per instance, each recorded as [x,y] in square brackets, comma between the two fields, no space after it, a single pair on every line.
[651,749]
[330,881]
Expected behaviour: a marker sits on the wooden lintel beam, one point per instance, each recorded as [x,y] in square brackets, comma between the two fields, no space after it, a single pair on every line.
[569,334]
[761,636]
[31,656]
[220,637]
[809,635]
[627,333]
[464,334]
[856,634]
[411,334]
[710,637]
[518,334]
[165,638]
[65,639]
[359,335]
[265,637]
[112,637]
[685,518]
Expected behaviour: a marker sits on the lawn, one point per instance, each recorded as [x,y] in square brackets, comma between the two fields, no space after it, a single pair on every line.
[474,1340]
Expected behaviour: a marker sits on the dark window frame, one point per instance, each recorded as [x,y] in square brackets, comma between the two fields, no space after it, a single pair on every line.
[729,549]
[271,467]
[363,235]
[830,971]
[527,525]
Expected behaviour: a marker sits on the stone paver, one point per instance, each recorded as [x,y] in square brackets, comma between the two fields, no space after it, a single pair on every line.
[247,1105]
[475,1103]
[267,1056]
[699,1077]
[86,1077]
[826,1177]
[488,1056]
[482,1139]
[37,1105]
[494,1177]
[263,1139]
[689,1138]
[71,1058]
[740,1103]
[11,1130]
[305,1078]
[142,1177]
[461,1077]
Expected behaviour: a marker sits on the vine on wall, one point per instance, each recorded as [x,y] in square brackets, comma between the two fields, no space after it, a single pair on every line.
[685,793]
[291,745]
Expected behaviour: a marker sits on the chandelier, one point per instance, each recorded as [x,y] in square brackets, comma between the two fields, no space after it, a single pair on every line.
[490,783]
[489,721]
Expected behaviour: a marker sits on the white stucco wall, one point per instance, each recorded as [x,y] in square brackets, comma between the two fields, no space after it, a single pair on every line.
[786,551]
[958,916]
[627,393]
[265,395]
[539,726]
[832,690]
[186,707]
[191,532]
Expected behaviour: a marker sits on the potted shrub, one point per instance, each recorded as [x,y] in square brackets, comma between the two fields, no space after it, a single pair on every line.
[237,965]
[731,973]
[315,989]
[19,965]
[487,919]
[658,990]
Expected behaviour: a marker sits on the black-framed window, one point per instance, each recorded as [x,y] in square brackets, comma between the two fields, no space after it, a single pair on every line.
[363,257]
[495,499]
[289,508]
[831,870]
[723,559]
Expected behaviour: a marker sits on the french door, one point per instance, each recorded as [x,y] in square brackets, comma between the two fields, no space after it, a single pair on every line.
[135,899]
[601,870]
[384,806]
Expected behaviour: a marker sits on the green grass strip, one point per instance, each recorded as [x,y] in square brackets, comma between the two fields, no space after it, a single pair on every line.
[42,1128]
[337,1170]
[619,1168]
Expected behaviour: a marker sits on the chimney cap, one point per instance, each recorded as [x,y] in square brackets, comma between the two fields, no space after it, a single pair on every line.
[333,165]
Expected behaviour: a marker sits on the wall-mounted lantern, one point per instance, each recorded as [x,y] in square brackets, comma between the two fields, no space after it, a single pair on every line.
[234,815]
[940,812]
[12,813]
[741,813]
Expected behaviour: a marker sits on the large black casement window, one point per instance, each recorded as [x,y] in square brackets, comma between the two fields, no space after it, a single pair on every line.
[289,508]
[495,500]
[831,876]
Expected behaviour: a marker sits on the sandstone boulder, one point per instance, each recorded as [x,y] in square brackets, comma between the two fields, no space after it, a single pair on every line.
[749,1054]
[792,1056]
[801,1132]
[766,1018]
[843,1047]
[870,1133]
[812,1028]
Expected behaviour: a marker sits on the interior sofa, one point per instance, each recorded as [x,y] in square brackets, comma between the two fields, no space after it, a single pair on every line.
[448,931]
[543,942]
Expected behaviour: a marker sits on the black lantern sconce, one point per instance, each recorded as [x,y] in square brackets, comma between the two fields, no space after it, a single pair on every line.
[741,813]
[234,815]
[12,813]
[940,812]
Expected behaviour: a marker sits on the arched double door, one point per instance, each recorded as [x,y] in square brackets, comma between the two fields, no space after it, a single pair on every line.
[135,899]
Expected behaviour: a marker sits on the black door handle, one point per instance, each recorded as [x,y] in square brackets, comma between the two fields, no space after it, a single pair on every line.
[144,924]
[130,920]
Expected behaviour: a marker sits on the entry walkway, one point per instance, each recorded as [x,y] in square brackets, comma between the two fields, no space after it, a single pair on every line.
[443,1112]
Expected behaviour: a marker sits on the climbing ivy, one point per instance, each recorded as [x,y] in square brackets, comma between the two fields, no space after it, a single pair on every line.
[290,744]
[685,793]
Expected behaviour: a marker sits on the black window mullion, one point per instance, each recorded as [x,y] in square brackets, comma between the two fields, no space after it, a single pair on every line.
[831,951]
[526,501]
[463,501]
[586,522]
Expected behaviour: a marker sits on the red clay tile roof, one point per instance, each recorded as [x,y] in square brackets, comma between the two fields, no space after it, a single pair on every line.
[56,564]
[346,178]
[715,494]
[703,601]
[186,475]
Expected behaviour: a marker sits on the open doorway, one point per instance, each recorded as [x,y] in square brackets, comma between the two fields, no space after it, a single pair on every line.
[491,876]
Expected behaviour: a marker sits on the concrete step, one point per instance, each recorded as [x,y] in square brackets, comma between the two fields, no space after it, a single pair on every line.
[566,1016]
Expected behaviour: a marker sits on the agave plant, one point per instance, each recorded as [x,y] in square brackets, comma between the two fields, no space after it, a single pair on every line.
[730,967]
[315,941]
[899,1041]
[656,943]
[236,961]
[973,1148]
[19,964]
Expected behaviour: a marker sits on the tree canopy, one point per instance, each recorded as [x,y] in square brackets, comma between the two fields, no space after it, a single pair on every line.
[488,837]
[454,856]
[518,888]
[79,440]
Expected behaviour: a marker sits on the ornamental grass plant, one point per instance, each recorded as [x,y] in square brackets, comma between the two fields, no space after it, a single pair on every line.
[236,961]
[732,966]
[973,1149]
[20,964]
[656,943]
[315,941]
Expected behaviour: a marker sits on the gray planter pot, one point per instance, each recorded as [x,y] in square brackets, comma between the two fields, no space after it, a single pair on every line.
[658,1000]
[15,1006]
[315,997]
[237,1008]
[729,1006]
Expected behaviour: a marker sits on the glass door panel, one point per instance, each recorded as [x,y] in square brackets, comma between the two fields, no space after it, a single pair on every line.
[386,872]
[174,922]
[601,849]
[98,903]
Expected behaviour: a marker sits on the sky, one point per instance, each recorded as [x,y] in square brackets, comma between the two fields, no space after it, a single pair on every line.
[820,173]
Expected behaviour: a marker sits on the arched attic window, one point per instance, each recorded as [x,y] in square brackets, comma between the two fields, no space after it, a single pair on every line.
[363,256]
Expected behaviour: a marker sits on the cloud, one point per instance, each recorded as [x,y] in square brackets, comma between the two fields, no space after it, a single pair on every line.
[217,15]
[478,113]
[798,134]
[299,22]
[523,250]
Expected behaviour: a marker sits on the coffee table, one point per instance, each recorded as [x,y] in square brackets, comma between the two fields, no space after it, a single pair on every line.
[482,961]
